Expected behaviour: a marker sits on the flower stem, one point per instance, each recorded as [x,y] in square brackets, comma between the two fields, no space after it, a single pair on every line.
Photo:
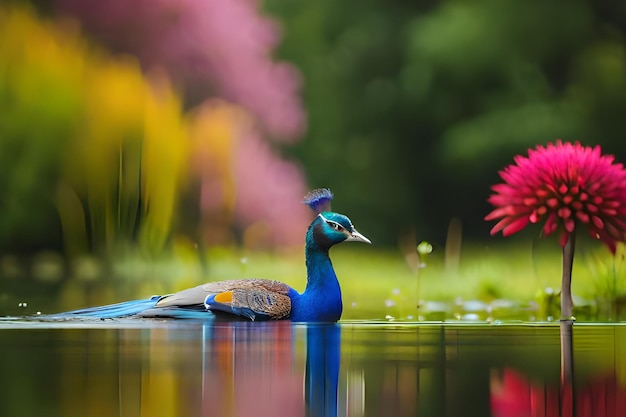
[567,304]
[567,369]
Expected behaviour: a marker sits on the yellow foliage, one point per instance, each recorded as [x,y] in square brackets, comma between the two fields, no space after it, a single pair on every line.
[164,158]
[215,130]
[126,147]
[36,55]
[125,161]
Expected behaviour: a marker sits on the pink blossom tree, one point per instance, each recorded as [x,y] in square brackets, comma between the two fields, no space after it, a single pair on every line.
[220,49]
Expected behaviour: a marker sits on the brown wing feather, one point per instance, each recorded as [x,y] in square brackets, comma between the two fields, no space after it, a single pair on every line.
[241,284]
[197,295]
[262,301]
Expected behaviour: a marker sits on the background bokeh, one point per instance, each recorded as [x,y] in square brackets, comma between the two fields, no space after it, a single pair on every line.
[425,101]
[185,126]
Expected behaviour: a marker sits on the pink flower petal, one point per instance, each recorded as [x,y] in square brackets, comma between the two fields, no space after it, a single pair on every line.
[515,226]
[500,225]
[583,217]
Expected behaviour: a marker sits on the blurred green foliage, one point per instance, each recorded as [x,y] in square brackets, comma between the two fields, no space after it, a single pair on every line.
[512,281]
[91,153]
[124,137]
[415,106]
[39,100]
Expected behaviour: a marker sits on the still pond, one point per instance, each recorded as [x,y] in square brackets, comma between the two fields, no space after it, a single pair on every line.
[212,368]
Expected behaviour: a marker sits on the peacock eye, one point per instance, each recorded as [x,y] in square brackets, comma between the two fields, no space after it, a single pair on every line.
[335,226]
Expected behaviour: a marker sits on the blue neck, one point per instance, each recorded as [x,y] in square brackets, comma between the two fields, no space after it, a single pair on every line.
[321,299]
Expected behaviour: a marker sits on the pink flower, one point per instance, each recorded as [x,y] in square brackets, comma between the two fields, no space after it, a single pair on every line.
[566,186]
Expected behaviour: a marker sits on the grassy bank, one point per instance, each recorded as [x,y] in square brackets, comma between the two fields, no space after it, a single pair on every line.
[376,283]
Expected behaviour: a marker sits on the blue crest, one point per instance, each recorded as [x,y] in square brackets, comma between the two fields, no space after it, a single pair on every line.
[318,199]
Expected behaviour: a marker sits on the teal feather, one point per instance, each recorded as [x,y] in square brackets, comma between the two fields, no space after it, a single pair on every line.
[124,309]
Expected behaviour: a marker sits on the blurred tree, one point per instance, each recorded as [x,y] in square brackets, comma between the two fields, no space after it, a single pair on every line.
[90,147]
[245,107]
[243,183]
[107,162]
[39,101]
[128,158]
[219,48]
[414,107]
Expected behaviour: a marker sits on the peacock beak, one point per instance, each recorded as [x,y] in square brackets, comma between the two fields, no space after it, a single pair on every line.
[357,237]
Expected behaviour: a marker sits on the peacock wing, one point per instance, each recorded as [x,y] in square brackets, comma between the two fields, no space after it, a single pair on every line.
[244,284]
[256,303]
[188,297]
[197,295]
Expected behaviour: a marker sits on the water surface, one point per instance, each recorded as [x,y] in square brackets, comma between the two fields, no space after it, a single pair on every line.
[197,368]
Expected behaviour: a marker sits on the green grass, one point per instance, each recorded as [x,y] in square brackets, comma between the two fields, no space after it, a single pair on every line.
[375,282]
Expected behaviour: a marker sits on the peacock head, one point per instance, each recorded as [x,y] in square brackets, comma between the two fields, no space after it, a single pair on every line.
[329,228]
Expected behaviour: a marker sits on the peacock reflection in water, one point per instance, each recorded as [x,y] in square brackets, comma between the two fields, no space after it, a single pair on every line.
[251,370]
[208,368]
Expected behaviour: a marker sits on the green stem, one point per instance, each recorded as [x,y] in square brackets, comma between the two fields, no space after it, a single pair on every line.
[567,304]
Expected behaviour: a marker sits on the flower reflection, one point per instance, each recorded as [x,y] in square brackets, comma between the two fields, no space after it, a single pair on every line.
[512,394]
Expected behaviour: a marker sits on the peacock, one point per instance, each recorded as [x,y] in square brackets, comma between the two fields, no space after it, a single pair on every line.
[258,299]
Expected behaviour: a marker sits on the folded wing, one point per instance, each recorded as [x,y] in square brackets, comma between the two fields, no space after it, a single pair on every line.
[256,299]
